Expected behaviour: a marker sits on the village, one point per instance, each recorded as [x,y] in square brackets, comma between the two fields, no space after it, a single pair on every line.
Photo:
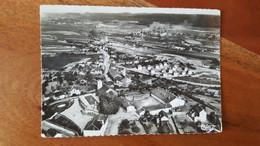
[125,85]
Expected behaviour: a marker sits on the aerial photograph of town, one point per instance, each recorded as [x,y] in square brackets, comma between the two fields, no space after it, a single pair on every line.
[129,72]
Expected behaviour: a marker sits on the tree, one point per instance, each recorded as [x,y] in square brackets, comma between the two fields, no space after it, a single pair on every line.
[93,33]
[108,107]
[212,67]
[135,129]
[59,78]
[126,124]
[125,132]
[215,62]
[51,133]
[213,118]
[50,76]
[70,83]
[44,85]
[120,128]
[170,111]
[80,67]
[146,113]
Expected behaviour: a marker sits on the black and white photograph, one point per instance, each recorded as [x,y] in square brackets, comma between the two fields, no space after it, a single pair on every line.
[129,71]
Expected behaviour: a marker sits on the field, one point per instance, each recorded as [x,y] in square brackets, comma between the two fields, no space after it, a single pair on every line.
[59,60]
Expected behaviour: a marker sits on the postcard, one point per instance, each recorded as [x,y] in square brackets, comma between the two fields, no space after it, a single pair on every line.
[129,71]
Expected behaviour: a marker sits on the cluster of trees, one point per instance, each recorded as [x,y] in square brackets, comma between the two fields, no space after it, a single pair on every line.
[213,118]
[214,64]
[127,127]
[164,128]
[108,105]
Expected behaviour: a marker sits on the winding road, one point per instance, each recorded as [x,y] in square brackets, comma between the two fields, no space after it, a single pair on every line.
[106,64]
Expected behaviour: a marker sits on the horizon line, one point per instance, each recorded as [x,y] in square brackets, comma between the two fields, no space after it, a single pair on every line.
[132,10]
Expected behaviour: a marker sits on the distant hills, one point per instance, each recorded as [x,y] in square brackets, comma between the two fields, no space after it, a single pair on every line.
[146,19]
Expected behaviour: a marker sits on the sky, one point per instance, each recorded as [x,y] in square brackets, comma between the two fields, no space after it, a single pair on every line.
[133,10]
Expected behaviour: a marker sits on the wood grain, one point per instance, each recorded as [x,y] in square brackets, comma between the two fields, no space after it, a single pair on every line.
[20,86]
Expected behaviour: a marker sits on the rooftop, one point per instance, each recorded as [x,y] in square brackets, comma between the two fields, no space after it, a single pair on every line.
[114,73]
[74,114]
[154,107]
[90,99]
[102,90]
[145,78]
[96,123]
[163,94]
[197,108]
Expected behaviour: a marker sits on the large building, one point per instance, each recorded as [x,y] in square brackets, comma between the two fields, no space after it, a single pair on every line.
[70,122]
[165,96]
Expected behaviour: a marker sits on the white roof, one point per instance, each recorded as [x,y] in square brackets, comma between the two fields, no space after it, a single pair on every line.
[164,118]
[74,114]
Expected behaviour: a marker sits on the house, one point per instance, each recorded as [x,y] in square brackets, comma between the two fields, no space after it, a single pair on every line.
[106,91]
[165,64]
[62,96]
[154,109]
[114,75]
[177,102]
[160,65]
[165,96]
[157,66]
[162,118]
[162,95]
[126,105]
[96,71]
[198,113]
[74,92]
[152,72]
[125,82]
[149,67]
[136,61]
[165,75]
[81,73]
[102,90]
[147,80]
[139,67]
[190,72]
[88,102]
[183,73]
[176,74]
[123,71]
[96,127]
[99,84]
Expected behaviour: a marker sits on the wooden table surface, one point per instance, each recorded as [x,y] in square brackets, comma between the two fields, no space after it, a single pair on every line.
[20,76]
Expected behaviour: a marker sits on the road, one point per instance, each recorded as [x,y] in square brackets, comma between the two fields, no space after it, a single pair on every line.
[106,64]
[67,99]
